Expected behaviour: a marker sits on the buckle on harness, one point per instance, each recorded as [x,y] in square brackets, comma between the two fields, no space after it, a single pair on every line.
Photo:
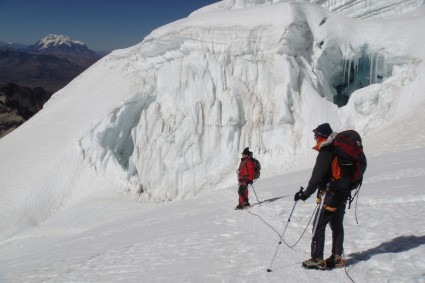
[329,208]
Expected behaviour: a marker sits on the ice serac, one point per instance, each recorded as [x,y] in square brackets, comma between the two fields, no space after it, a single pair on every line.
[209,89]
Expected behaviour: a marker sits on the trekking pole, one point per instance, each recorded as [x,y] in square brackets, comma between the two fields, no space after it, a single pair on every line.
[281,237]
[255,194]
[316,221]
[290,215]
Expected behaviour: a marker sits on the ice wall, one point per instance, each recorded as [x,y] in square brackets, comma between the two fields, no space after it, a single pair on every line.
[207,93]
[206,90]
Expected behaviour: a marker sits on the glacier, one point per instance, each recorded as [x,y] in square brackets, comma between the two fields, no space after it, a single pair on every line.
[167,119]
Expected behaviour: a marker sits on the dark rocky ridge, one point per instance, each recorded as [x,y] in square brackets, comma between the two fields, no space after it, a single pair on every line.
[18,104]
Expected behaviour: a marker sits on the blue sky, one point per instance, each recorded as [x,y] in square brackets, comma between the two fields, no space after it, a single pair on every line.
[103,25]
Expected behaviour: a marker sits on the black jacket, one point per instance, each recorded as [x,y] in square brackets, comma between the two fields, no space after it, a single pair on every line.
[339,190]
[322,170]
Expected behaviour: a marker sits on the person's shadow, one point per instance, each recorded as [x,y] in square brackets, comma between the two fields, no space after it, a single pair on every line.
[396,245]
[269,200]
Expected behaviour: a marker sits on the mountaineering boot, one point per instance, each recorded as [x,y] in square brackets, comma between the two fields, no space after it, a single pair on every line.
[240,206]
[334,261]
[314,263]
[247,204]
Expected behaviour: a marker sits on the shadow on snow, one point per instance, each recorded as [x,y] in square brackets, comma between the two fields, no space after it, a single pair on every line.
[269,200]
[396,245]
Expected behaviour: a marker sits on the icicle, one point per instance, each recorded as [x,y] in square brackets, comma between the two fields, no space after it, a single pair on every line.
[376,66]
[370,68]
[356,65]
[373,72]
[385,69]
[355,68]
[349,72]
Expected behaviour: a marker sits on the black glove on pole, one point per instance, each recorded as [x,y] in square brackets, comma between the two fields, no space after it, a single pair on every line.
[300,192]
[300,195]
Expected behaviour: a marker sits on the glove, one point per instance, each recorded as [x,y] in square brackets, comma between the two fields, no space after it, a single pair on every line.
[299,196]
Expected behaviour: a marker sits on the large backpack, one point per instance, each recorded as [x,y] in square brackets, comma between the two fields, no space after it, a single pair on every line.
[351,158]
[257,168]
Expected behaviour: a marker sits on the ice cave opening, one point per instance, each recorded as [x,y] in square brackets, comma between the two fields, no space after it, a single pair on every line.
[362,71]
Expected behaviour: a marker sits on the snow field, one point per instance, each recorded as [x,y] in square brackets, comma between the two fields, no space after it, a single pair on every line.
[205,239]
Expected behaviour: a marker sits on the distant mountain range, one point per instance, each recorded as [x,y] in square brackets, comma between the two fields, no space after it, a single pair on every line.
[50,63]
[54,44]
[39,69]
[11,45]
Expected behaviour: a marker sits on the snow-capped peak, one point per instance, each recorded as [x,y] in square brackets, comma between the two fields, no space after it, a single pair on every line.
[53,40]
[62,45]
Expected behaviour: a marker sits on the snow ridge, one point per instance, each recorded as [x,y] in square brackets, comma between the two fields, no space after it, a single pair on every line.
[371,8]
[362,9]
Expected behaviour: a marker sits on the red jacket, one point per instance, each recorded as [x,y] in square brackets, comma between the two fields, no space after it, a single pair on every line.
[246,170]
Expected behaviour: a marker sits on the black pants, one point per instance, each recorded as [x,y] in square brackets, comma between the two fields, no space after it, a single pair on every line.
[335,220]
[243,194]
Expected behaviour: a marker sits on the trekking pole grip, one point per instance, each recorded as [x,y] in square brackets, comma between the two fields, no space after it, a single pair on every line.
[293,208]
